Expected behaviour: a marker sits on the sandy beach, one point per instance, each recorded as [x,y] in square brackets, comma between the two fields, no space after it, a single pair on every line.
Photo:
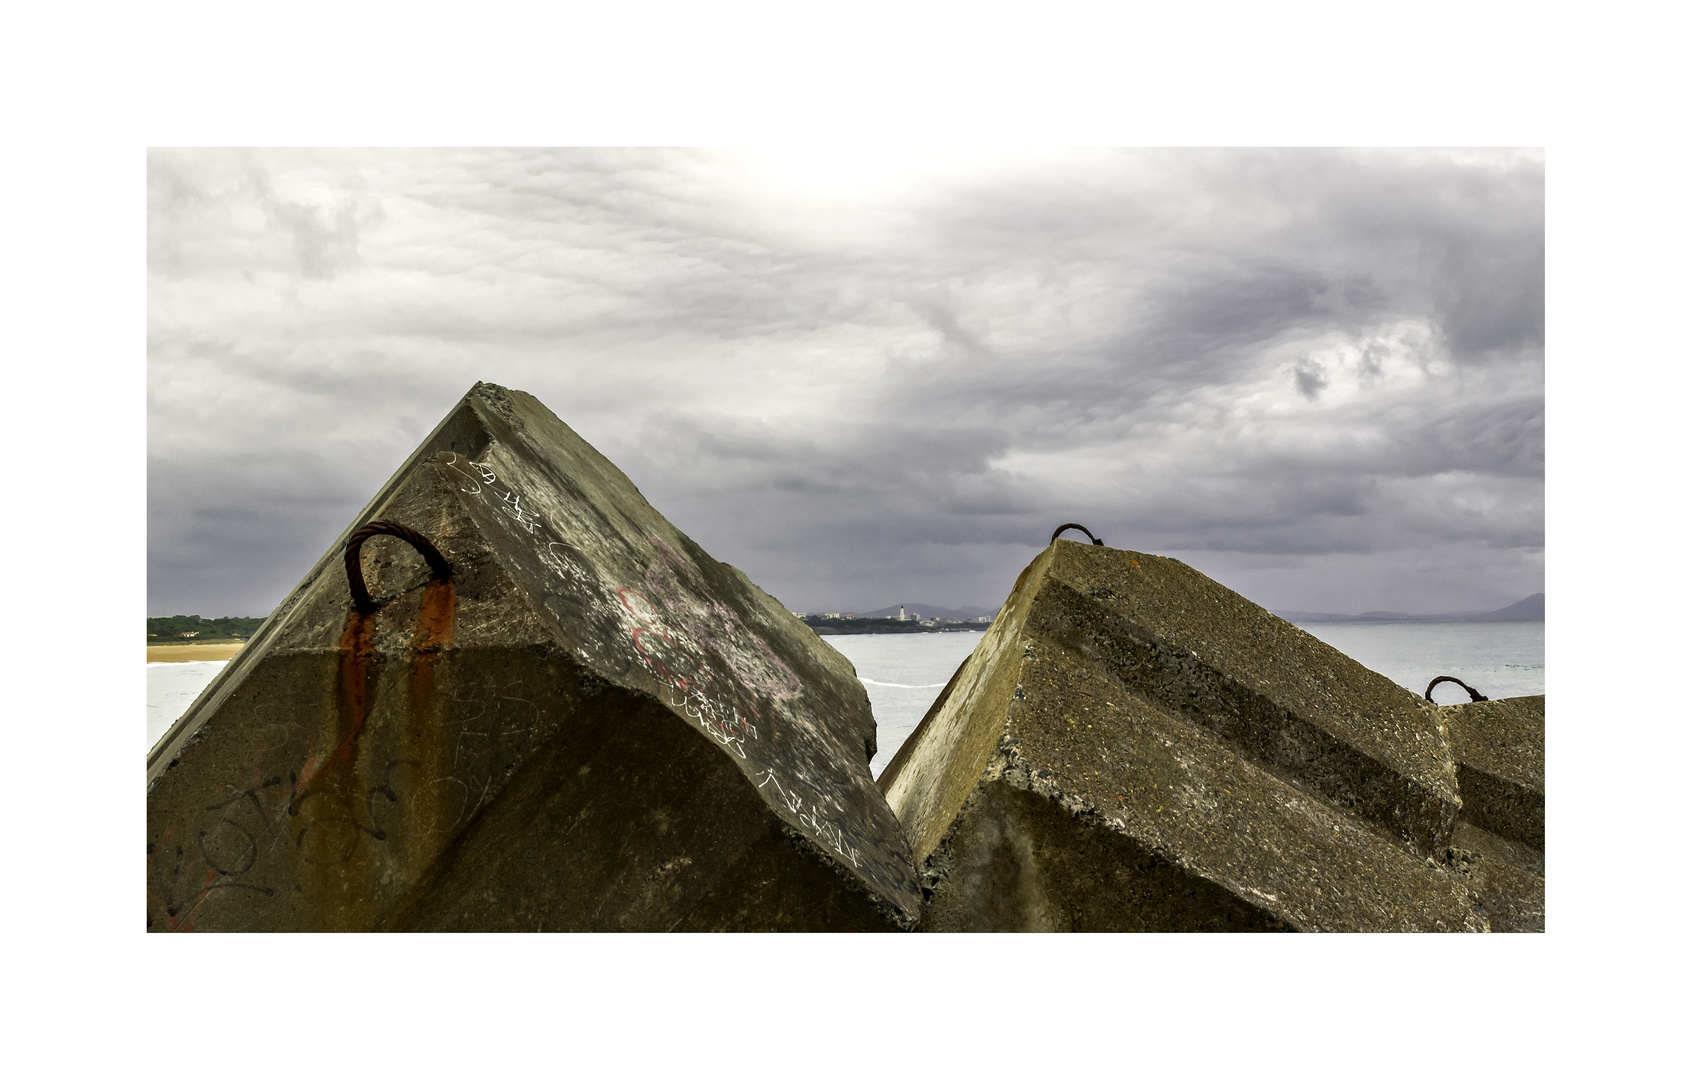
[178,654]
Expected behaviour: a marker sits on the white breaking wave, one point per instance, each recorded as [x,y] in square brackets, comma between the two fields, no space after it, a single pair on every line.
[902,686]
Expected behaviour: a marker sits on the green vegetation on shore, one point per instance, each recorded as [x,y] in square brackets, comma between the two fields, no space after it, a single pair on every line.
[170,629]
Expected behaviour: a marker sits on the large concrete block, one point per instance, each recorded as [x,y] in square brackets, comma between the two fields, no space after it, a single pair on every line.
[1499,842]
[1133,746]
[591,725]
[1500,752]
[1506,879]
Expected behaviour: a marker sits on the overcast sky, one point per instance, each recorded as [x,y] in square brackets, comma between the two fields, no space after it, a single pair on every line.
[869,378]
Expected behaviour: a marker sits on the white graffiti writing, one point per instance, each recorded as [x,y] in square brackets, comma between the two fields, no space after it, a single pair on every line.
[675,658]
[826,831]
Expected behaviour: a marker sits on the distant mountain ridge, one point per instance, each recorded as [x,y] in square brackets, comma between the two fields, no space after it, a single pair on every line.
[1527,609]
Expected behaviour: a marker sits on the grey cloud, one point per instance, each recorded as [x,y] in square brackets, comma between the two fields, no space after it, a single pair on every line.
[1310,378]
[1466,242]
[324,238]
[229,533]
[1312,357]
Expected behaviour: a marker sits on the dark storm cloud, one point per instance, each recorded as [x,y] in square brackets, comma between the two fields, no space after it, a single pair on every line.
[1310,378]
[1320,371]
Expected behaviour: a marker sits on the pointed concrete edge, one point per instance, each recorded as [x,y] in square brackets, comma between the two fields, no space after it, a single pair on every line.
[461,432]
[465,435]
[943,764]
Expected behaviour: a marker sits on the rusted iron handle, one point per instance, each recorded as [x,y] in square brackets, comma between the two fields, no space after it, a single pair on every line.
[355,572]
[1096,541]
[1474,695]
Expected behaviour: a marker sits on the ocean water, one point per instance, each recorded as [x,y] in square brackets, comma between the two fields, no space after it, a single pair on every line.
[904,673]
[171,688]
[1499,659]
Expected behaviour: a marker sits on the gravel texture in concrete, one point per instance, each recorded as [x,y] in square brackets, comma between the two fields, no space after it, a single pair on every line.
[1499,842]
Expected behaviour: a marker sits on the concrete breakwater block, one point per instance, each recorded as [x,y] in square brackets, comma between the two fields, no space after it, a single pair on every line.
[1134,747]
[1500,752]
[590,725]
[1499,841]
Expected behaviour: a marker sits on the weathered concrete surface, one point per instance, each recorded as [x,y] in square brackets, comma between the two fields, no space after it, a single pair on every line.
[1134,747]
[593,725]
[1500,751]
[1499,841]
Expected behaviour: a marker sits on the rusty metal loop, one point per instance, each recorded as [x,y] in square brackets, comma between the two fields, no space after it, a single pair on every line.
[1071,525]
[1474,695]
[355,572]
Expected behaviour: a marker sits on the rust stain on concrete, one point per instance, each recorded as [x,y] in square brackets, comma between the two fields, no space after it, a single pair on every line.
[426,824]
[331,848]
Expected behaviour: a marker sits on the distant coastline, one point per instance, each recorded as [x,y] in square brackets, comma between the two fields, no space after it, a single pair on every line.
[825,625]
[169,629]
[887,620]
[1527,609]
[185,652]
[912,618]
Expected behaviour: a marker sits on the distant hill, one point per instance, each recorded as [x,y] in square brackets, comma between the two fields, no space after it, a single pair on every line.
[1531,609]
[1528,609]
